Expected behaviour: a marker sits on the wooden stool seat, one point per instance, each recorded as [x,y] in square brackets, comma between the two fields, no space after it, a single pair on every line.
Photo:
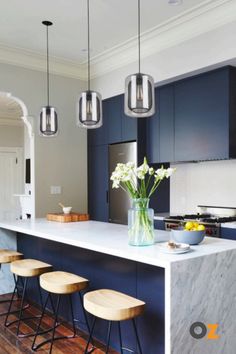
[30,267]
[8,256]
[62,282]
[112,305]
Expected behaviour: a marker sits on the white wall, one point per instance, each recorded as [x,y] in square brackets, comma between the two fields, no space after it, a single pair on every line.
[11,136]
[205,183]
[200,52]
[59,161]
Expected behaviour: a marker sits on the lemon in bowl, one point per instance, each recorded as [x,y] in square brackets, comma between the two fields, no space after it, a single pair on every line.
[192,233]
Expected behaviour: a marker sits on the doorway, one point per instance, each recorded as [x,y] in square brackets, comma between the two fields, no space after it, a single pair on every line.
[11,181]
[16,149]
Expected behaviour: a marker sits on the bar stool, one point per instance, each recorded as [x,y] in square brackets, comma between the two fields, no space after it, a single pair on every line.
[25,269]
[113,306]
[6,257]
[60,283]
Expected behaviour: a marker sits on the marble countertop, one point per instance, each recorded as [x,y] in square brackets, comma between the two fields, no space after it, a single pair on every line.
[112,239]
[230,225]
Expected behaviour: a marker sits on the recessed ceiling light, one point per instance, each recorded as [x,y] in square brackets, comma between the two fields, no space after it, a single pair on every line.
[175,2]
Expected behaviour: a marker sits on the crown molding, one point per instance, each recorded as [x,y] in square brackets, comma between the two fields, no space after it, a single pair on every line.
[203,18]
[35,61]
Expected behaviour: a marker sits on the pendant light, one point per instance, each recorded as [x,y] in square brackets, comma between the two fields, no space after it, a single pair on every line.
[48,124]
[139,89]
[89,107]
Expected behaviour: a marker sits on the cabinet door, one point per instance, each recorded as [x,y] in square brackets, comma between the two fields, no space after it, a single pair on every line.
[201,117]
[99,136]
[98,182]
[114,119]
[153,133]
[228,233]
[128,124]
[166,124]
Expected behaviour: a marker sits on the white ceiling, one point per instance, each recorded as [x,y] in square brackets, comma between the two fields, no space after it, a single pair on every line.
[112,23]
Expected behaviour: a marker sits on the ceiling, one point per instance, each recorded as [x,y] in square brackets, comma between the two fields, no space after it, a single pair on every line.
[10,111]
[113,22]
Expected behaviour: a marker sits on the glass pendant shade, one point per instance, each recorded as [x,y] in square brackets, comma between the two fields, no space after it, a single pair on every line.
[89,110]
[139,96]
[48,121]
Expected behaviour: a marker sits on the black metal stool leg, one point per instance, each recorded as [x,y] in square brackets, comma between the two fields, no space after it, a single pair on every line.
[40,321]
[72,314]
[90,335]
[22,305]
[10,306]
[84,312]
[55,322]
[40,293]
[137,337]
[108,336]
[120,338]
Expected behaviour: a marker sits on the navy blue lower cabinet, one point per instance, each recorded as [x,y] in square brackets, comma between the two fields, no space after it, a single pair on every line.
[98,182]
[103,271]
[228,233]
[159,224]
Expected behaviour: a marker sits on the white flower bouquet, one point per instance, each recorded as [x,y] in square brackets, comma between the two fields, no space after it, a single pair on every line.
[140,183]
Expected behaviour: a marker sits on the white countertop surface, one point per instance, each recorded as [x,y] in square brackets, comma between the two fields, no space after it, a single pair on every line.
[112,239]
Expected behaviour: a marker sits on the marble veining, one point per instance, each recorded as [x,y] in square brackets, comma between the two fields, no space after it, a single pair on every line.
[203,289]
[7,241]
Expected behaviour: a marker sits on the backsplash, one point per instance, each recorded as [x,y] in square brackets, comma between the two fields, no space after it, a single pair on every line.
[204,183]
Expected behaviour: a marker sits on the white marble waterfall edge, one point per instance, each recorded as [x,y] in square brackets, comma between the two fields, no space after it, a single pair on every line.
[203,290]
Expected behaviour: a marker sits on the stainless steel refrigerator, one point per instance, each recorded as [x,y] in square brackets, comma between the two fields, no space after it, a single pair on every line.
[119,201]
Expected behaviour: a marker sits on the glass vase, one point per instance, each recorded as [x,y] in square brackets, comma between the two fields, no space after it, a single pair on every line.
[141,223]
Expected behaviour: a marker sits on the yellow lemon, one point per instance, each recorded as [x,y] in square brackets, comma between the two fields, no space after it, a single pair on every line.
[189,225]
[201,228]
[195,224]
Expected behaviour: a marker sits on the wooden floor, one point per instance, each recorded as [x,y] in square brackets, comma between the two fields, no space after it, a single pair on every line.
[11,344]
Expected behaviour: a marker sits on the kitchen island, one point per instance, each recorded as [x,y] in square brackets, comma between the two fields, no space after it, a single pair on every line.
[199,286]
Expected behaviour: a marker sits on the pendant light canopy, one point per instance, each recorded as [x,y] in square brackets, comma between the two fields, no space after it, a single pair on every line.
[48,124]
[89,107]
[139,89]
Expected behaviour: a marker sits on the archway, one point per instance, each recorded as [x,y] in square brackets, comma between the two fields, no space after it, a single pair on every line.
[27,197]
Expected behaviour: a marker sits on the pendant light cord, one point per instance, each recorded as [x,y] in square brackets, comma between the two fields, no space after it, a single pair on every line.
[139,45]
[88,19]
[47,68]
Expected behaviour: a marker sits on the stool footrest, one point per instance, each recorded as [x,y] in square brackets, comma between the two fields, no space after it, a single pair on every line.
[36,347]
[14,311]
[22,319]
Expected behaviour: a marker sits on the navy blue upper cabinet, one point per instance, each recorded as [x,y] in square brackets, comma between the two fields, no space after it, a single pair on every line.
[99,136]
[166,124]
[160,127]
[128,124]
[195,119]
[202,117]
[117,127]
[114,115]
[153,132]
[98,182]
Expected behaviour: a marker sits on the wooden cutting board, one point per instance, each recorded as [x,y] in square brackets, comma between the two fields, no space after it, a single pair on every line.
[72,217]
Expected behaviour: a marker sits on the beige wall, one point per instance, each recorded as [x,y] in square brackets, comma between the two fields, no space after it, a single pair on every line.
[59,161]
[11,136]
